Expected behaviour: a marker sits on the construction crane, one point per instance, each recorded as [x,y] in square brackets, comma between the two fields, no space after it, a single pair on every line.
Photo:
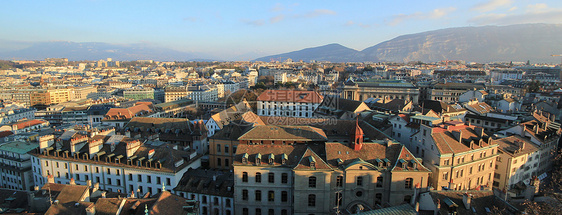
[557,55]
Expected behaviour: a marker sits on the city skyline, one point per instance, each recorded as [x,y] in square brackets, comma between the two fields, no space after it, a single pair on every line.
[235,31]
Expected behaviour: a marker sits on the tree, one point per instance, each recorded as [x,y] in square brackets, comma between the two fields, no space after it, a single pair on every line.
[533,86]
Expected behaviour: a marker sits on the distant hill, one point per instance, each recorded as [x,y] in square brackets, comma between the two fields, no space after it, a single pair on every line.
[534,42]
[97,51]
[331,52]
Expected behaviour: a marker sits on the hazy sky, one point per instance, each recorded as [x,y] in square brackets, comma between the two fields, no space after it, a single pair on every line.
[232,28]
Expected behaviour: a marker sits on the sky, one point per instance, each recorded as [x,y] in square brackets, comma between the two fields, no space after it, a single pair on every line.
[239,29]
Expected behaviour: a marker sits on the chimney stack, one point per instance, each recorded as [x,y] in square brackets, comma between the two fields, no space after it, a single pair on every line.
[466,199]
[89,183]
[50,179]
[72,181]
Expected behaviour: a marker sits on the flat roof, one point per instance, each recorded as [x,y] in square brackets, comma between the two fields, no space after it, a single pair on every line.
[18,147]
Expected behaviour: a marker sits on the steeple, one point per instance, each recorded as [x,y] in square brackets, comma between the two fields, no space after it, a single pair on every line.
[357,136]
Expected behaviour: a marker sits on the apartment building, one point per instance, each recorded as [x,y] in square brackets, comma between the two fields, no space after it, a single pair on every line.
[518,161]
[451,92]
[290,103]
[202,93]
[460,157]
[139,93]
[361,91]
[213,190]
[116,162]
[10,115]
[16,172]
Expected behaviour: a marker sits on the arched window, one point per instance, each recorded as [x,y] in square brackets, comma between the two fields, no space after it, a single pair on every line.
[245,177]
[258,177]
[408,183]
[312,182]
[312,200]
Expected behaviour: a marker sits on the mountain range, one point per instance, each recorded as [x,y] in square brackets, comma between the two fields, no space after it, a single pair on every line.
[534,42]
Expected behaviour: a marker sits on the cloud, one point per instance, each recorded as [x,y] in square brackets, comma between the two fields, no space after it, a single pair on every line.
[349,23]
[278,7]
[257,22]
[190,19]
[491,5]
[537,7]
[316,13]
[277,18]
[513,9]
[434,14]
[546,16]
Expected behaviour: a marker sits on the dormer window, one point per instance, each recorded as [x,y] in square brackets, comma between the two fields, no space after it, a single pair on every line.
[379,162]
[271,159]
[258,159]
[284,159]
[312,162]
[245,158]
[340,161]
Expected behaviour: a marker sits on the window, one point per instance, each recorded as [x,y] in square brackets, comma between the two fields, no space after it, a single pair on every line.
[86,168]
[379,181]
[245,211]
[378,198]
[271,177]
[311,200]
[139,178]
[258,177]
[245,195]
[258,211]
[97,170]
[168,181]
[271,212]
[219,163]
[284,196]
[284,178]
[312,182]
[445,176]
[226,163]
[360,181]
[108,171]
[339,199]
[158,180]
[76,166]
[46,163]
[218,147]
[407,199]
[149,179]
[245,177]
[130,177]
[216,201]
[117,172]
[284,212]
[226,149]
[408,183]
[258,195]
[339,181]
[270,196]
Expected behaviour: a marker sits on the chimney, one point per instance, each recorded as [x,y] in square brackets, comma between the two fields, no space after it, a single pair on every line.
[89,183]
[103,194]
[36,188]
[91,210]
[132,195]
[417,207]
[96,187]
[466,199]
[72,181]
[536,129]
[50,179]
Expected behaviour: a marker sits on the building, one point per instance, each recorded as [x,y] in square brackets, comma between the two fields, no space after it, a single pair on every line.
[518,161]
[314,177]
[461,157]
[16,165]
[239,112]
[25,126]
[178,131]
[542,131]
[139,93]
[116,162]
[85,92]
[223,145]
[451,92]
[213,190]
[117,117]
[202,93]
[360,91]
[288,103]
[471,95]
[340,108]
[9,115]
